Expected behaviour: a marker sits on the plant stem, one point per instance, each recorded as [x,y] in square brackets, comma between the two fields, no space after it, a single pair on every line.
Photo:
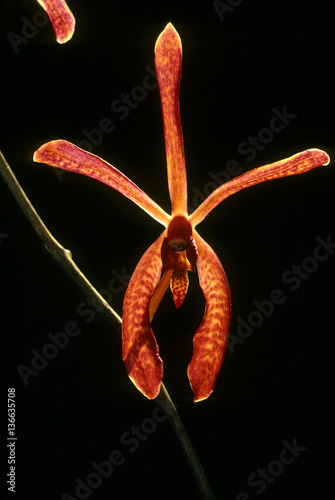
[64,258]
[204,488]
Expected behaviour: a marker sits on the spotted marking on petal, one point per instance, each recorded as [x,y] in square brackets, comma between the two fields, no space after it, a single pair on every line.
[139,347]
[61,17]
[180,264]
[179,286]
[62,154]
[210,339]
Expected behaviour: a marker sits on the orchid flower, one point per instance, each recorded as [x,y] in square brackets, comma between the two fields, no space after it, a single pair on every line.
[61,18]
[179,249]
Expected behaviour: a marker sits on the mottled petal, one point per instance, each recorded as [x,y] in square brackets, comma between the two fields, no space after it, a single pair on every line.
[139,347]
[179,286]
[177,261]
[61,18]
[296,164]
[67,156]
[210,339]
[168,59]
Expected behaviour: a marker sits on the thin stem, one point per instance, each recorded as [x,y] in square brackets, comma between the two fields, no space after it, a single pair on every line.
[64,258]
[204,488]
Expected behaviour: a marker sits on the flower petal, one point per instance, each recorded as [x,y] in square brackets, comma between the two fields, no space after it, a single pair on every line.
[139,347]
[61,18]
[168,59]
[67,156]
[296,164]
[210,339]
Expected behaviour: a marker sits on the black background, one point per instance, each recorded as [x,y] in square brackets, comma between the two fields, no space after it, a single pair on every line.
[274,386]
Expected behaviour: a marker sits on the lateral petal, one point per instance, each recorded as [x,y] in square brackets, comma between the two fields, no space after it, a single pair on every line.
[210,339]
[168,61]
[67,156]
[296,164]
[61,18]
[139,347]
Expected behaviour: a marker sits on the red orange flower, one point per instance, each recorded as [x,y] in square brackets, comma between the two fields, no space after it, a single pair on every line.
[179,249]
[61,18]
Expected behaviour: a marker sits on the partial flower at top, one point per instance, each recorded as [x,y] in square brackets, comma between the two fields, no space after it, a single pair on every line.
[61,18]
[179,249]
